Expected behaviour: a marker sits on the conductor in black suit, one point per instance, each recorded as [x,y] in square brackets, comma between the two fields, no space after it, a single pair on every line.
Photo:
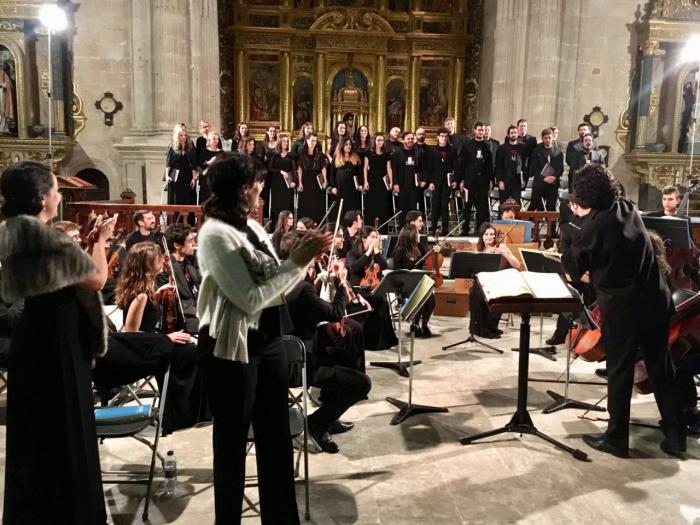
[613,251]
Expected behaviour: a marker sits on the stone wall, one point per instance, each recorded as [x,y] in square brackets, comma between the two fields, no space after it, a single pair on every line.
[553,60]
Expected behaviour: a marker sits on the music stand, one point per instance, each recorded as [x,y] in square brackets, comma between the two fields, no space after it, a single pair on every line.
[402,283]
[537,261]
[675,229]
[466,265]
[408,313]
[521,422]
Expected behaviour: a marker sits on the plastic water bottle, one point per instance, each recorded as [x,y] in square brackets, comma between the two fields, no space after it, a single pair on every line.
[170,471]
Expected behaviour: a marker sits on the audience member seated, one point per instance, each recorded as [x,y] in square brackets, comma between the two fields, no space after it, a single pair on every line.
[335,349]
[136,296]
[181,243]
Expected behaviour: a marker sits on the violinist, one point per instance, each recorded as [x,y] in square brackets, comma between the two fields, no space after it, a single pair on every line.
[181,243]
[352,223]
[337,355]
[670,200]
[305,224]
[407,253]
[483,323]
[612,250]
[145,223]
[365,264]
[416,218]
[136,296]
[285,224]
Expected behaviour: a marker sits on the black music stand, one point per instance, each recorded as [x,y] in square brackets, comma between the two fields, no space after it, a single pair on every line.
[402,283]
[466,265]
[561,402]
[521,422]
[409,312]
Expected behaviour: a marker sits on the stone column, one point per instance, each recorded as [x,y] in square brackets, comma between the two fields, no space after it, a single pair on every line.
[205,63]
[413,106]
[171,50]
[320,116]
[241,86]
[381,93]
[285,93]
[141,67]
[458,96]
[543,60]
[567,115]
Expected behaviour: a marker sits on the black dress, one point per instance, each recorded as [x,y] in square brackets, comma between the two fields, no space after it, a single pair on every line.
[312,201]
[343,179]
[185,162]
[378,198]
[281,197]
[53,466]
[184,404]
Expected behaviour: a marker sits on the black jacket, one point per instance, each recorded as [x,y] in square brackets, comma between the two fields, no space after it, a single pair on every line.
[541,156]
[509,163]
[307,309]
[578,160]
[440,162]
[477,165]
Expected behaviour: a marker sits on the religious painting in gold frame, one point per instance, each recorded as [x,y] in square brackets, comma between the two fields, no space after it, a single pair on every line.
[8,93]
[263,88]
[395,104]
[434,92]
[303,101]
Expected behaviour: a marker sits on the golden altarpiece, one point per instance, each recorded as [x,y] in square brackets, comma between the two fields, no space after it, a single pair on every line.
[656,130]
[24,88]
[382,63]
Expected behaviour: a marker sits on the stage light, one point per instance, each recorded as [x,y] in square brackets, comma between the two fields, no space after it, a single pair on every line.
[53,17]
[691,53]
[691,50]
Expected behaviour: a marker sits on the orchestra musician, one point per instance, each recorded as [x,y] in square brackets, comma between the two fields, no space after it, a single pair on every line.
[352,223]
[670,200]
[285,223]
[406,254]
[336,351]
[612,250]
[365,263]
[482,322]
[145,231]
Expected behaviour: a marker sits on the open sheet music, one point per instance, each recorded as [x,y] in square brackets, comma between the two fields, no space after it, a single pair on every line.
[512,284]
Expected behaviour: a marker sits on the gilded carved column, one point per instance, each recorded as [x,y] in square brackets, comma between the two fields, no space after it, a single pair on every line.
[413,94]
[142,67]
[458,97]
[381,93]
[285,91]
[172,62]
[320,116]
[205,63]
[241,86]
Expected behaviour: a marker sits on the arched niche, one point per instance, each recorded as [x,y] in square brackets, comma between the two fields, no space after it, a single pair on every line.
[12,98]
[395,104]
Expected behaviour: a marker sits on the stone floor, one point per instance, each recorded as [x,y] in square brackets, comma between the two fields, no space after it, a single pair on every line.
[417,472]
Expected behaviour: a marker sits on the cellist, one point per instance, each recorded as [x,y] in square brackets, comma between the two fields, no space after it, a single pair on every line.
[407,253]
[612,250]
[365,264]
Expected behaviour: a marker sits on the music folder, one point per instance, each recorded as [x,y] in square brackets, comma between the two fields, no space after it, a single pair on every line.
[548,171]
[387,182]
[319,179]
[417,299]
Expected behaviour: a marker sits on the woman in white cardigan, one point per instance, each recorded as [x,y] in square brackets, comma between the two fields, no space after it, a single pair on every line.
[242,317]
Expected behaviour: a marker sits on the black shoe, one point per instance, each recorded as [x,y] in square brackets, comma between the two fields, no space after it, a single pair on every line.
[693,425]
[602,372]
[672,447]
[340,427]
[414,327]
[325,442]
[426,331]
[601,443]
[555,340]
[418,332]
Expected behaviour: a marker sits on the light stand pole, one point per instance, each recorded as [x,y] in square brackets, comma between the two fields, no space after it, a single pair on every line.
[690,53]
[53,19]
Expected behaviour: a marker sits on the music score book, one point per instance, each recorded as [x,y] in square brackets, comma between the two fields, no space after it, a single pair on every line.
[510,285]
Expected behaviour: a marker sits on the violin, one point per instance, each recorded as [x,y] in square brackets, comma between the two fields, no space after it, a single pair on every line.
[434,263]
[371,278]
[172,314]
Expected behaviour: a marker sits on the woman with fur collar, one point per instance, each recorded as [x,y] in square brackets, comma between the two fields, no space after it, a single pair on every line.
[54,477]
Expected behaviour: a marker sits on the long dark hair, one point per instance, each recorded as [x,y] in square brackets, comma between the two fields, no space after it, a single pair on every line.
[282,221]
[228,175]
[22,186]
[480,245]
[358,244]
[407,244]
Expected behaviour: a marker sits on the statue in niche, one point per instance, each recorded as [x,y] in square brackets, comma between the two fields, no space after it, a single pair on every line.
[8,93]
[303,101]
[396,104]
[689,100]
[350,100]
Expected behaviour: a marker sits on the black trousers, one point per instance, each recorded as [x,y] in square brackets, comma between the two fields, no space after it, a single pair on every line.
[440,203]
[480,318]
[542,190]
[512,190]
[479,199]
[624,344]
[341,388]
[688,368]
[241,394]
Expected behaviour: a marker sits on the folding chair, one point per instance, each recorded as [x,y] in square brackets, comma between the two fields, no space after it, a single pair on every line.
[526,194]
[130,421]
[494,202]
[298,418]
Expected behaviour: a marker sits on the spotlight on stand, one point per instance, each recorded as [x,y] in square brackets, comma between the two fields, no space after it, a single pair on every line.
[54,19]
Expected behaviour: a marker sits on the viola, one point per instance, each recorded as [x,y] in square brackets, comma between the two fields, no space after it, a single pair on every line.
[172,314]
[433,264]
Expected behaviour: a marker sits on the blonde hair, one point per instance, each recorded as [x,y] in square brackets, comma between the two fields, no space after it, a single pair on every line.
[176,132]
[339,155]
[210,135]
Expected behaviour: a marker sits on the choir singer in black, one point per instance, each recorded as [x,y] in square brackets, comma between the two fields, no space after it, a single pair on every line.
[406,167]
[546,169]
[613,251]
